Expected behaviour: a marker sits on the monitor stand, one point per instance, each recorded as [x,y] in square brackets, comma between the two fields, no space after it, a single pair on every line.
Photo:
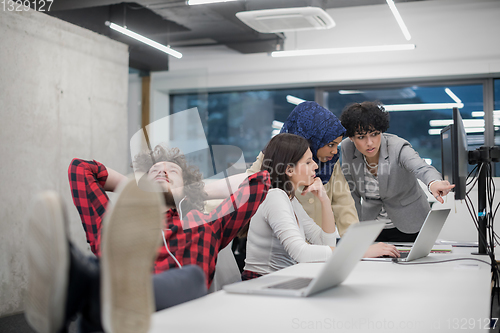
[483,156]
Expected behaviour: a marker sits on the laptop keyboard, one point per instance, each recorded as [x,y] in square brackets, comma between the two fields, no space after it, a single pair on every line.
[294,284]
[402,255]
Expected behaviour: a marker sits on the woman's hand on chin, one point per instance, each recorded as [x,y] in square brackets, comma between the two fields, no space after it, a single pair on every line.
[316,188]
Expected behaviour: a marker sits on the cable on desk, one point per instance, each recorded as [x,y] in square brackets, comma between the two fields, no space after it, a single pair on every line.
[438,262]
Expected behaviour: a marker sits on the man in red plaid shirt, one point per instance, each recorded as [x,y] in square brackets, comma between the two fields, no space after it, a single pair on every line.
[194,240]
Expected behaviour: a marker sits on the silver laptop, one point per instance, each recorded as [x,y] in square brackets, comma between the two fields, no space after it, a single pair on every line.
[348,253]
[429,232]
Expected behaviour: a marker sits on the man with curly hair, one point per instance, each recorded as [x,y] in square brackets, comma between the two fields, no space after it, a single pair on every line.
[166,166]
[115,290]
[196,238]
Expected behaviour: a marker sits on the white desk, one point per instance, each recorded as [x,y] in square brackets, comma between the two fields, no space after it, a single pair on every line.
[377,296]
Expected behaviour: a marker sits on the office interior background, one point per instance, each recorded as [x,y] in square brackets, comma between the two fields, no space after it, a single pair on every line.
[67,91]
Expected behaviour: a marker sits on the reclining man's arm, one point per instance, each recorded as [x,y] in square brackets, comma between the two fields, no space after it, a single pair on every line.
[223,188]
[114,178]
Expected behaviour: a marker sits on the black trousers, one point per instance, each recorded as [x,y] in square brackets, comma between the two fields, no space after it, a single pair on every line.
[394,235]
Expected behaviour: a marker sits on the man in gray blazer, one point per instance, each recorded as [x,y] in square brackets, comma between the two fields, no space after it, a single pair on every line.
[382,170]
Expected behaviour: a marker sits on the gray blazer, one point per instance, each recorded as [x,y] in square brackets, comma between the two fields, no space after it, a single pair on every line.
[399,167]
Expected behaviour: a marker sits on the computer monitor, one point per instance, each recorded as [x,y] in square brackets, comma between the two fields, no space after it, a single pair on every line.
[454,154]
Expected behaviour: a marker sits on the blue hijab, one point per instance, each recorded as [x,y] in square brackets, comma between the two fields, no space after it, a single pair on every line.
[320,127]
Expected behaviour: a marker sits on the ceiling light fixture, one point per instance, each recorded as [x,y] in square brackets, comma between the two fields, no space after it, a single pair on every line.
[466,122]
[205,2]
[452,95]
[343,50]
[399,19]
[294,100]
[350,92]
[496,113]
[277,125]
[437,131]
[145,40]
[423,106]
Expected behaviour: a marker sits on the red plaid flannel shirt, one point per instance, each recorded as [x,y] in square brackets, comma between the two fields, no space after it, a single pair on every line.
[191,240]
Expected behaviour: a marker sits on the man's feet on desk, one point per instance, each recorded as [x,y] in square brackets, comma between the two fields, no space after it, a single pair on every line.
[64,282]
[131,237]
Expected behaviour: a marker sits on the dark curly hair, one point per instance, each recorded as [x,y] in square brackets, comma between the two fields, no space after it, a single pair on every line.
[194,187]
[364,117]
[282,151]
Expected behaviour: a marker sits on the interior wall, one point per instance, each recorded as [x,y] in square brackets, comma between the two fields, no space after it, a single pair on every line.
[63,94]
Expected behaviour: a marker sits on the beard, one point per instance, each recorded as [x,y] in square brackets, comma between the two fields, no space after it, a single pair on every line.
[169,198]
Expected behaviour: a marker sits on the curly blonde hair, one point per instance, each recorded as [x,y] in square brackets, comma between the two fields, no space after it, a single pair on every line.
[194,187]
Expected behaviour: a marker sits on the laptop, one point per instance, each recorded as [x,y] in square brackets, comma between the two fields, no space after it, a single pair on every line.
[426,238]
[348,253]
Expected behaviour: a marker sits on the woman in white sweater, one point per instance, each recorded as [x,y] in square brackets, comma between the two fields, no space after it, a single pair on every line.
[281,233]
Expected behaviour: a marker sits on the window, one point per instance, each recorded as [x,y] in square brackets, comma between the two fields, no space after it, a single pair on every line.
[244,118]
[247,119]
[418,113]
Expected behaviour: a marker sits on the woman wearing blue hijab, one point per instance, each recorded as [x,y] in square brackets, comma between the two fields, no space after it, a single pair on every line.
[324,132]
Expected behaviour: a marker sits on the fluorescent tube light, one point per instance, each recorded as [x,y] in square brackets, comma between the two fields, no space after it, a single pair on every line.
[350,92]
[294,100]
[344,50]
[466,122]
[422,106]
[474,130]
[277,125]
[440,122]
[437,131]
[399,19]
[145,40]
[481,113]
[452,95]
[205,2]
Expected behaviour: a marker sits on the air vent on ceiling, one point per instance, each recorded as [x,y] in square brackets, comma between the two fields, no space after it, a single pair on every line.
[286,19]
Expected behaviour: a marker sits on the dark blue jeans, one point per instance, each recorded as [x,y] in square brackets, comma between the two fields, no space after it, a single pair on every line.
[177,286]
